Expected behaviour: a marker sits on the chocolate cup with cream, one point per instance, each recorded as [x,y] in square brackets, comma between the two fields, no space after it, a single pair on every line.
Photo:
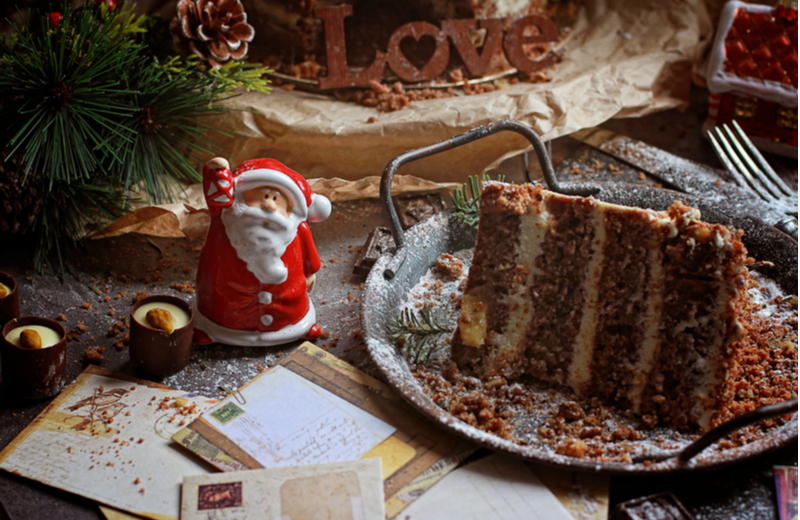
[155,351]
[34,373]
[9,305]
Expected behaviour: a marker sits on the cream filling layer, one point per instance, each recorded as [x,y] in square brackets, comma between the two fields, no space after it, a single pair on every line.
[651,344]
[703,409]
[580,369]
[510,344]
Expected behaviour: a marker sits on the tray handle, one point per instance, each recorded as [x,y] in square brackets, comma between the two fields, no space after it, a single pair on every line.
[759,414]
[710,437]
[454,142]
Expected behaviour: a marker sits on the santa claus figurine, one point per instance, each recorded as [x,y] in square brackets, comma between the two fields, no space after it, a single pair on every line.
[259,261]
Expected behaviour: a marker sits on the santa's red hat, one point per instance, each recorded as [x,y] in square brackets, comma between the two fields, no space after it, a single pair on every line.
[260,172]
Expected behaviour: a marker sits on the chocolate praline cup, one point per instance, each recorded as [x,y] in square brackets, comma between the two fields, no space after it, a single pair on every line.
[9,306]
[155,351]
[34,373]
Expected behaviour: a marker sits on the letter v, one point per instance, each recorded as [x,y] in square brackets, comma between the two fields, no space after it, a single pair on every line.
[458,31]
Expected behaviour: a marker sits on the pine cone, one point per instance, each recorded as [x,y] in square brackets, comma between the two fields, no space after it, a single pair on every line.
[20,202]
[215,30]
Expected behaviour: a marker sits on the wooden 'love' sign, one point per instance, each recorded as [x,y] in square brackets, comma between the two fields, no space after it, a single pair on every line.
[457,31]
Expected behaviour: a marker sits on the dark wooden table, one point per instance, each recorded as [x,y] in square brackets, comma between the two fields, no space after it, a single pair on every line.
[132,263]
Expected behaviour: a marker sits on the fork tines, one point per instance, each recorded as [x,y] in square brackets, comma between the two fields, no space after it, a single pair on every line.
[749,168]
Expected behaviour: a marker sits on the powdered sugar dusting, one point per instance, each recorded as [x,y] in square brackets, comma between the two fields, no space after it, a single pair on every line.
[532,421]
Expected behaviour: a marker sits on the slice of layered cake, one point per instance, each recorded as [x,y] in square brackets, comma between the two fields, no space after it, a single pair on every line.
[635,307]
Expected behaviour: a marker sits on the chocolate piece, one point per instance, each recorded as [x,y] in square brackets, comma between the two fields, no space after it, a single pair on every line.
[661,506]
[378,242]
[154,350]
[413,209]
[9,304]
[34,373]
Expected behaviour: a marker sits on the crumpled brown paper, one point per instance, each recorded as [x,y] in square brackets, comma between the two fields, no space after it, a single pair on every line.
[188,217]
[627,58]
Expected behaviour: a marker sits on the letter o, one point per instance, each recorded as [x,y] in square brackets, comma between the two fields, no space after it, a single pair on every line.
[404,68]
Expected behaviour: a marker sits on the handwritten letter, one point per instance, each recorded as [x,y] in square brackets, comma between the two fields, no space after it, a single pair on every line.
[290,421]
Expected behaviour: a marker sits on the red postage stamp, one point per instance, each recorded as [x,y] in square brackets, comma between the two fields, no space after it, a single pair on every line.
[219,496]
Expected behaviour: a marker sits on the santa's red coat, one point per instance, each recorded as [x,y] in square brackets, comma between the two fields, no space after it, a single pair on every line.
[228,294]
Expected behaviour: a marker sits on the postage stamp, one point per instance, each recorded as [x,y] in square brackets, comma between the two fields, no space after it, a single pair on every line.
[219,496]
[226,413]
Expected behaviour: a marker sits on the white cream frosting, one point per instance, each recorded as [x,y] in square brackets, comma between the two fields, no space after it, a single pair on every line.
[180,318]
[49,336]
[709,367]
[651,344]
[580,369]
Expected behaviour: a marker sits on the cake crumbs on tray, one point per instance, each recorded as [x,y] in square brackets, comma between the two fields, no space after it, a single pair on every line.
[559,422]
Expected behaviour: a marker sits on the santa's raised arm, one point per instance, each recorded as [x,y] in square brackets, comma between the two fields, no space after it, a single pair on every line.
[259,260]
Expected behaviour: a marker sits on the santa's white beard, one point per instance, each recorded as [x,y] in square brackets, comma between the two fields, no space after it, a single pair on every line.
[260,238]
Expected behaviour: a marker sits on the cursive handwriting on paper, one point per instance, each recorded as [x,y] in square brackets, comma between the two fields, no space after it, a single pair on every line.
[290,421]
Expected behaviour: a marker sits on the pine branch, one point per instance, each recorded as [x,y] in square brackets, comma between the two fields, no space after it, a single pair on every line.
[417,333]
[61,93]
[95,106]
[235,74]
[467,199]
[171,100]
[66,210]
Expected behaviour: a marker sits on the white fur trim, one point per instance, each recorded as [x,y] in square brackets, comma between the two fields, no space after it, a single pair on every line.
[254,338]
[320,208]
[263,176]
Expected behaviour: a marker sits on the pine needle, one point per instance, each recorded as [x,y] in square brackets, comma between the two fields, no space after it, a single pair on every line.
[99,104]
[467,199]
[418,332]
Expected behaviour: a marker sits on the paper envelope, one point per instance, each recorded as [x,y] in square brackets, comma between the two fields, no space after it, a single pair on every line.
[414,457]
[338,491]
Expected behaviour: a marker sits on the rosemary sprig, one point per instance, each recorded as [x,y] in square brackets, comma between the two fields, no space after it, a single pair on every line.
[467,199]
[417,332]
[235,74]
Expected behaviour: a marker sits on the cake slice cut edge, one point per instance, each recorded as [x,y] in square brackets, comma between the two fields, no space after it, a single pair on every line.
[635,307]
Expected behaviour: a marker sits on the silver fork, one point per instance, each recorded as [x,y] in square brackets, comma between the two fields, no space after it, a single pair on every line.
[752,173]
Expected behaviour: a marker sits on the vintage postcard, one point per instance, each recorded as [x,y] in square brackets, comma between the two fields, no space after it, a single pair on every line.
[786,491]
[282,419]
[414,455]
[338,491]
[108,437]
[497,487]
[584,494]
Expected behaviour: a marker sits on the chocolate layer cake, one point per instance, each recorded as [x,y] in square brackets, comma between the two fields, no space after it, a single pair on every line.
[633,306]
